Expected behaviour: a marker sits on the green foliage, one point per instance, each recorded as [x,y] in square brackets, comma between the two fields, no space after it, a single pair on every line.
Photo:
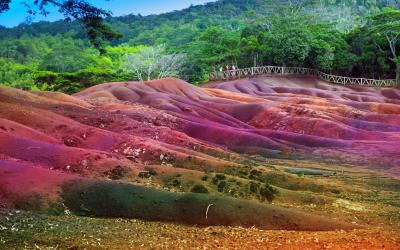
[77,81]
[254,187]
[288,44]
[89,16]
[57,56]
[65,59]
[218,45]
[116,173]
[59,63]
[198,188]
[176,183]
[386,25]
[267,192]
[15,74]
[254,174]
[217,178]
[221,186]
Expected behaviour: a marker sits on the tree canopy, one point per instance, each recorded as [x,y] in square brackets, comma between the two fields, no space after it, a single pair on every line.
[386,25]
[244,33]
[90,17]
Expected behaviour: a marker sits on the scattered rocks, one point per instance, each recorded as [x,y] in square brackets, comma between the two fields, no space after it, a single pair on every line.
[84,163]
[166,159]
[131,152]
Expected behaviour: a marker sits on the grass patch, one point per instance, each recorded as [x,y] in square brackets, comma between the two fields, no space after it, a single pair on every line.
[34,202]
[311,172]
[287,181]
[386,184]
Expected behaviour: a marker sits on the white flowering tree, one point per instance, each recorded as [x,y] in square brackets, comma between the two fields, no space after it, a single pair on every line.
[153,63]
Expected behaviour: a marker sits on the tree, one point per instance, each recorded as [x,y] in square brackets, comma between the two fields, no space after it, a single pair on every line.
[219,46]
[90,17]
[294,7]
[288,43]
[154,63]
[386,25]
[66,58]
[251,44]
[329,49]
[15,75]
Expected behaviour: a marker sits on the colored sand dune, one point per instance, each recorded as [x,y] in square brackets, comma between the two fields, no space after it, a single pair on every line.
[306,116]
[71,150]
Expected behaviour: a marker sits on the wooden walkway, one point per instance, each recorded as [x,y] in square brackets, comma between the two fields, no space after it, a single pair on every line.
[276,70]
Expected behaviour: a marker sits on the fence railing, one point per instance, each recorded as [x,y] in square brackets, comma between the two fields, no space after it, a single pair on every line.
[276,70]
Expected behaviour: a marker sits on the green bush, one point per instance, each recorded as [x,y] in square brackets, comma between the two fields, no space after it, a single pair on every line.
[116,173]
[254,174]
[268,192]
[274,178]
[204,178]
[254,187]
[221,186]
[41,77]
[74,82]
[217,178]
[199,189]
[176,183]
[335,191]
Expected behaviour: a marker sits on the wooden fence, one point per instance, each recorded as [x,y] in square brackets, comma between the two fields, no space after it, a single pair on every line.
[276,70]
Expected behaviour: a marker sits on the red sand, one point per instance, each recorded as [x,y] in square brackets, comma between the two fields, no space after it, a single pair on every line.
[134,124]
[260,115]
[276,114]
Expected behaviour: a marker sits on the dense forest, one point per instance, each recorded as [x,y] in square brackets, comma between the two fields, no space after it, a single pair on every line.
[341,37]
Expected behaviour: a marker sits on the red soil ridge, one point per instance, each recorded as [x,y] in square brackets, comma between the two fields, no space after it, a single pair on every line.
[130,125]
[355,125]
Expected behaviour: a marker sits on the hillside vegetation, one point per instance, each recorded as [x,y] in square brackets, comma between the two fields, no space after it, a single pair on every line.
[333,36]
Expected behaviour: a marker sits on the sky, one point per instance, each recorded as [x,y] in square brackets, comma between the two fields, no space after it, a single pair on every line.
[17,13]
